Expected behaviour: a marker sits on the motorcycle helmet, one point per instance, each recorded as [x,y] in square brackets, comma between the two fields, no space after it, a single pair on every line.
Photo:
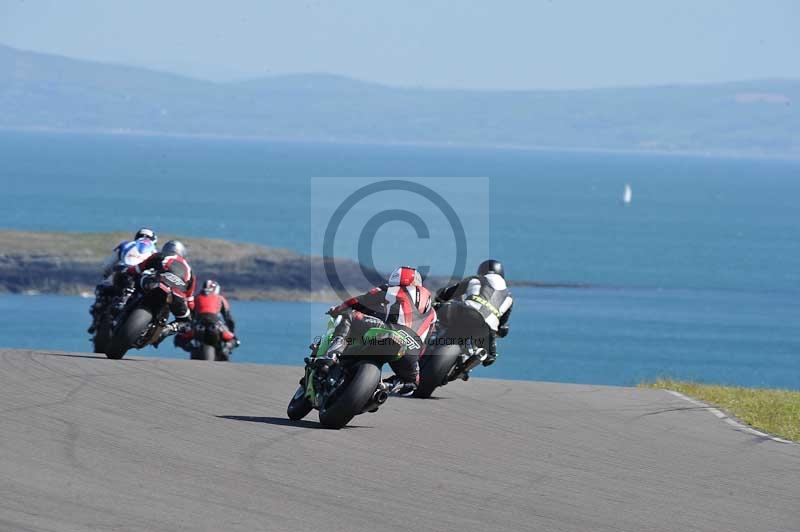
[491,266]
[405,276]
[211,287]
[145,232]
[174,247]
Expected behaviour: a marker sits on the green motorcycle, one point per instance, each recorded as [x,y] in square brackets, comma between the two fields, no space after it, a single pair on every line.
[351,385]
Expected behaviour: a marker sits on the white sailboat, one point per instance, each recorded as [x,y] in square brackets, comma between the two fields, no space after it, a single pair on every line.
[627,195]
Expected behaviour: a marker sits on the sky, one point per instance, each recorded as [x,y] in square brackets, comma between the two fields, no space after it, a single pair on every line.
[483,44]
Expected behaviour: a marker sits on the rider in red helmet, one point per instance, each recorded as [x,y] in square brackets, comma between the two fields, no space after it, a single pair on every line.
[402,303]
[211,306]
[210,303]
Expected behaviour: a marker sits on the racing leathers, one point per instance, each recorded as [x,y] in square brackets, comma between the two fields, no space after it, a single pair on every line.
[182,297]
[215,307]
[401,308]
[489,296]
[210,308]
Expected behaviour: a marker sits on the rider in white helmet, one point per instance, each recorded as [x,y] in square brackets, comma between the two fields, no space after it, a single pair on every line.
[486,294]
[127,253]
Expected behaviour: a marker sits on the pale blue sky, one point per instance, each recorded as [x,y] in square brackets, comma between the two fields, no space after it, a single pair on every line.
[477,44]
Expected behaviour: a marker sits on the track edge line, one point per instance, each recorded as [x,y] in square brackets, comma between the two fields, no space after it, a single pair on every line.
[728,419]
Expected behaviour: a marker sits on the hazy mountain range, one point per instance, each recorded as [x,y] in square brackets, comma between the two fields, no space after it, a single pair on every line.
[40,91]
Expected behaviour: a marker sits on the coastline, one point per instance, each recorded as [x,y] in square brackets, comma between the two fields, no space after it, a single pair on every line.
[33,262]
[707,154]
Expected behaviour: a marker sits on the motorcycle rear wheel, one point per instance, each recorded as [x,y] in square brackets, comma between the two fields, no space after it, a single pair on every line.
[433,372]
[208,352]
[129,332]
[352,400]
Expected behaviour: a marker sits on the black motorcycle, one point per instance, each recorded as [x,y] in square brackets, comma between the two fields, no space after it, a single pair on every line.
[456,347]
[140,322]
[207,342]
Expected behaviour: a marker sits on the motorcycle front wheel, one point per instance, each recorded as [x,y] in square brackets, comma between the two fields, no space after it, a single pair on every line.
[103,334]
[299,406]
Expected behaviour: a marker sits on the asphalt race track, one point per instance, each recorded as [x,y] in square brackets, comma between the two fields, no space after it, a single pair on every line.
[162,445]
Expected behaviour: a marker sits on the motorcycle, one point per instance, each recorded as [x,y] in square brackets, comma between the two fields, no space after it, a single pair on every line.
[140,322]
[456,347]
[207,342]
[350,386]
[131,254]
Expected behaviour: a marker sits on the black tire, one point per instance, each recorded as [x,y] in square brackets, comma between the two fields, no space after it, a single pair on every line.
[433,372]
[103,335]
[352,400]
[128,332]
[299,406]
[208,352]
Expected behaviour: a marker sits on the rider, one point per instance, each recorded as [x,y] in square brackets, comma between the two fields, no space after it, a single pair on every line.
[403,304]
[211,306]
[142,246]
[487,293]
[171,259]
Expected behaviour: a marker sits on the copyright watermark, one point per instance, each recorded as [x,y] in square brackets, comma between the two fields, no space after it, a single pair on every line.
[363,228]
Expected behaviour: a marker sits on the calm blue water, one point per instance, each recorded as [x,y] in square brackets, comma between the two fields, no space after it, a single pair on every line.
[556,216]
[600,336]
[698,278]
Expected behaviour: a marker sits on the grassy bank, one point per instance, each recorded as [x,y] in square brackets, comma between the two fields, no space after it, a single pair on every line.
[773,411]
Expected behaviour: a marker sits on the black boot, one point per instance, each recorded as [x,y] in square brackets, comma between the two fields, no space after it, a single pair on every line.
[398,386]
[491,355]
[170,329]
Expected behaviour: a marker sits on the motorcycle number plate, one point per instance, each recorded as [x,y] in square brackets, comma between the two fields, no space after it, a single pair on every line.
[173,279]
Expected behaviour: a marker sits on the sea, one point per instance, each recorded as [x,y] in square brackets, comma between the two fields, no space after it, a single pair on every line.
[698,277]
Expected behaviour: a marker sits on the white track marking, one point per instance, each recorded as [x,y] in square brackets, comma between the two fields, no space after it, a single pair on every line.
[727,419]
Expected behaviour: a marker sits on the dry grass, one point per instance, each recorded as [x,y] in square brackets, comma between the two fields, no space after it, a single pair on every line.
[776,412]
[96,246]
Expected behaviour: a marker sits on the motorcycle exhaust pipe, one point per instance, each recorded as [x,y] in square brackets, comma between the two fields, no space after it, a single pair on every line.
[378,398]
[471,362]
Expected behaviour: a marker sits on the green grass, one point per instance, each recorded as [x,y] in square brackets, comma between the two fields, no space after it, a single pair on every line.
[776,412]
[97,246]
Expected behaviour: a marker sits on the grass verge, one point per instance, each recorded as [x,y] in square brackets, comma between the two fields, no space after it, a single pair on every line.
[776,412]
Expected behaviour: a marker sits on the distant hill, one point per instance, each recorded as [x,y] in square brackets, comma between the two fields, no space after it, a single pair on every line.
[39,91]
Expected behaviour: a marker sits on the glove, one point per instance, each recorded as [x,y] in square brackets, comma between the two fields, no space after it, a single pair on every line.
[332,311]
[502,331]
[149,282]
